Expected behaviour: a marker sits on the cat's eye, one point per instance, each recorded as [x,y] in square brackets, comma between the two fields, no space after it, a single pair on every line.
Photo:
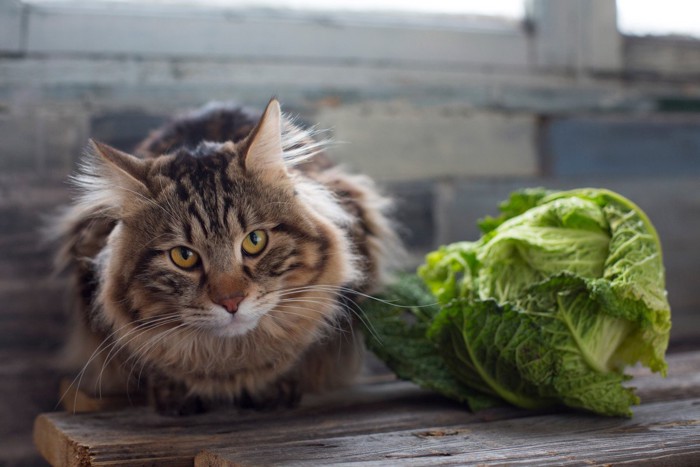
[254,242]
[184,258]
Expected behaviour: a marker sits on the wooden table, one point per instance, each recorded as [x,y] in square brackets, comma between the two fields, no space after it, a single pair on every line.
[391,423]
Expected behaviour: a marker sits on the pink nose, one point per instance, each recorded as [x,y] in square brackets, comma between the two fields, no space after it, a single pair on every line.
[231,302]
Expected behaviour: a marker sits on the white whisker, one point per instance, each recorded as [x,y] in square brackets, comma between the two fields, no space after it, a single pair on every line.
[120,345]
[104,345]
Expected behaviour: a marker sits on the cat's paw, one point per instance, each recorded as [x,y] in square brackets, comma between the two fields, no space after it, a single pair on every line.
[171,398]
[284,393]
[190,406]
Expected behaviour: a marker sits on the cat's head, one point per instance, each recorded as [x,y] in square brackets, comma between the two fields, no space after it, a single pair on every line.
[219,238]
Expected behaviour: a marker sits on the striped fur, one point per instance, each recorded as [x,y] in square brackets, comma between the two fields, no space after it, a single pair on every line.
[205,181]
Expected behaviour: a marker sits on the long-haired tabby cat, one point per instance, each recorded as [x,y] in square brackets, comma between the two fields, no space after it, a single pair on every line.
[220,263]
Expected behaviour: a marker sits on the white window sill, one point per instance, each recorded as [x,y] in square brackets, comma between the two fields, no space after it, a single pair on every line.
[80,27]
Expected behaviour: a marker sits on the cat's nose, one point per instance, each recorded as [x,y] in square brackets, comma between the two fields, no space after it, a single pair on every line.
[231,302]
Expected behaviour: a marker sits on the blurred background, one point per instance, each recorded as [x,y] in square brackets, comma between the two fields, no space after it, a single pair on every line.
[450,105]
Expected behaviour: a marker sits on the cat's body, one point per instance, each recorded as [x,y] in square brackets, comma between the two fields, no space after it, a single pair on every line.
[221,264]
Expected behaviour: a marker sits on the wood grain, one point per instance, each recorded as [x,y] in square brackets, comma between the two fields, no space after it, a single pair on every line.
[388,423]
[665,433]
[131,436]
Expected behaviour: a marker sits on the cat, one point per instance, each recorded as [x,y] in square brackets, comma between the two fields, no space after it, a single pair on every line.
[221,263]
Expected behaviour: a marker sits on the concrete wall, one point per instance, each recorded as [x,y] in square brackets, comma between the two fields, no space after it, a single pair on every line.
[449,137]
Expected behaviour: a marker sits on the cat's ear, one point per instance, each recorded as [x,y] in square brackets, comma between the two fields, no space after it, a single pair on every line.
[262,152]
[120,165]
[113,180]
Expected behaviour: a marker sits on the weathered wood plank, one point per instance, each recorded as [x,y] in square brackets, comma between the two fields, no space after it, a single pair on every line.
[576,35]
[665,433]
[656,57]
[129,437]
[148,30]
[623,146]
[137,436]
[497,145]
[10,26]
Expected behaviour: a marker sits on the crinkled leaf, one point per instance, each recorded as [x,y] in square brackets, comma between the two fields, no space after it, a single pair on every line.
[635,271]
[547,354]
[517,203]
[450,271]
[397,336]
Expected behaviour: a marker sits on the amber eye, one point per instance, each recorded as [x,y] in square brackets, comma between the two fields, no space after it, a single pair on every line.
[255,242]
[184,258]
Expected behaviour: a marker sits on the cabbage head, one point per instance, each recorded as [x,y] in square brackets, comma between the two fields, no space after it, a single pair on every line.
[559,295]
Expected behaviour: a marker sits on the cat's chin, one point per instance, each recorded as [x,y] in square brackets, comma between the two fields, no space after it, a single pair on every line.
[228,325]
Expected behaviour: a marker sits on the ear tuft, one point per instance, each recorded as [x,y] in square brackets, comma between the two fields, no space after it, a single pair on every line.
[263,153]
[112,182]
[126,164]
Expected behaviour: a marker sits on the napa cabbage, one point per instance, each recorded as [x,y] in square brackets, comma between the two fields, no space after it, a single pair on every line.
[562,292]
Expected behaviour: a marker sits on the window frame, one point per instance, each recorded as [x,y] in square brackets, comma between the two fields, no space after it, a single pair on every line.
[83,28]
[575,38]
